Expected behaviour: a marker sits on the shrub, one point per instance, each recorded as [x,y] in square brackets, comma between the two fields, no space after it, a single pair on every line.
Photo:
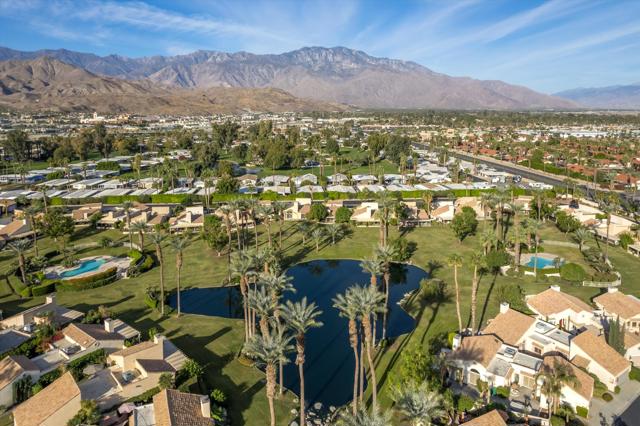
[42,289]
[503,391]
[108,165]
[626,239]
[464,403]
[450,337]
[25,292]
[572,272]
[607,397]
[343,215]
[497,259]
[582,412]
[218,396]
[193,369]
[318,212]
[616,390]
[77,365]
[557,421]
[634,374]
[145,397]
[166,381]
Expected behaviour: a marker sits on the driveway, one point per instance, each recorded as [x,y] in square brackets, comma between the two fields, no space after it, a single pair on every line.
[606,413]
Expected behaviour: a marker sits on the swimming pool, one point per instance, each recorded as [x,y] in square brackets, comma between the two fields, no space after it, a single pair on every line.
[329,359]
[85,266]
[542,262]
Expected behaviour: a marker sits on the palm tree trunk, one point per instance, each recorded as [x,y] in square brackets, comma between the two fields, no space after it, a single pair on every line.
[386,303]
[300,362]
[281,374]
[255,231]
[353,341]
[474,297]
[455,279]
[22,271]
[372,370]
[361,383]
[271,391]
[179,291]
[161,261]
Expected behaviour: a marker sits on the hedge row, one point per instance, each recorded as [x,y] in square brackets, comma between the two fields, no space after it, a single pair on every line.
[42,289]
[268,196]
[77,365]
[93,281]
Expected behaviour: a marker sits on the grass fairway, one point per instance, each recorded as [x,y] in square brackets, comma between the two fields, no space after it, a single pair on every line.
[214,341]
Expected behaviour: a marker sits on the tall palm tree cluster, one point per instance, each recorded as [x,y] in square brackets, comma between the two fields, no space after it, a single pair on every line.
[271,326]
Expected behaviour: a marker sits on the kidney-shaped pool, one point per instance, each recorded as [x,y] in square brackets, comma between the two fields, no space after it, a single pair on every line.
[329,359]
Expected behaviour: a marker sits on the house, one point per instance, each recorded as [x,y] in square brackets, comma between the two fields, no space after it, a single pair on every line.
[192,218]
[39,314]
[149,183]
[275,180]
[278,189]
[55,405]
[443,211]
[81,339]
[337,179]
[591,351]
[310,189]
[510,326]
[298,210]
[617,226]
[341,188]
[471,202]
[364,179]
[83,214]
[615,304]
[561,309]
[174,408]
[12,369]
[88,184]
[306,179]
[248,180]
[365,214]
[15,230]
[138,368]
[492,418]
[12,338]
[574,394]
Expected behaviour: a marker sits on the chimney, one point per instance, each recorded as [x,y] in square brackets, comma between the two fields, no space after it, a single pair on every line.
[205,406]
[504,307]
[50,299]
[612,289]
[158,338]
[555,288]
[108,325]
[457,341]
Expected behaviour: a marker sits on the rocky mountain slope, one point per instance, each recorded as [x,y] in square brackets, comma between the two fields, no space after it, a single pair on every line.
[611,97]
[49,84]
[337,75]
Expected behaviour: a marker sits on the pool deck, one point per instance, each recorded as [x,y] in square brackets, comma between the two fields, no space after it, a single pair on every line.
[54,272]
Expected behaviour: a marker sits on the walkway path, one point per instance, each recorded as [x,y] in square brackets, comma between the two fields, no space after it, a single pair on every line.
[605,413]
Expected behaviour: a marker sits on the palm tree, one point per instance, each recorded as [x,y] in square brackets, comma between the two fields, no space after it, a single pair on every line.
[261,302]
[489,240]
[317,235]
[477,260]
[581,235]
[31,212]
[127,206]
[372,267]
[270,350]
[237,206]
[516,211]
[157,239]
[179,244]
[20,247]
[227,211]
[266,213]
[253,208]
[278,210]
[553,379]
[607,209]
[242,267]
[300,317]
[370,302]
[348,307]
[487,201]
[427,198]
[385,207]
[418,405]
[363,418]
[455,261]
[334,231]
[304,228]
[140,228]
[385,255]
[534,227]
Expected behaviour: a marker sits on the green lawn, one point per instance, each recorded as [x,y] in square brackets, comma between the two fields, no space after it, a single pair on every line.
[215,341]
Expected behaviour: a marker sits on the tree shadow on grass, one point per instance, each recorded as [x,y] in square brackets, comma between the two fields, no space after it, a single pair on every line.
[486,300]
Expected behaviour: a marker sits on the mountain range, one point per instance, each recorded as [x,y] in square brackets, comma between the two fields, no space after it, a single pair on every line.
[611,97]
[49,84]
[316,76]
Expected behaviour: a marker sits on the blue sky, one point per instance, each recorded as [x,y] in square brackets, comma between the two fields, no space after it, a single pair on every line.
[545,45]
